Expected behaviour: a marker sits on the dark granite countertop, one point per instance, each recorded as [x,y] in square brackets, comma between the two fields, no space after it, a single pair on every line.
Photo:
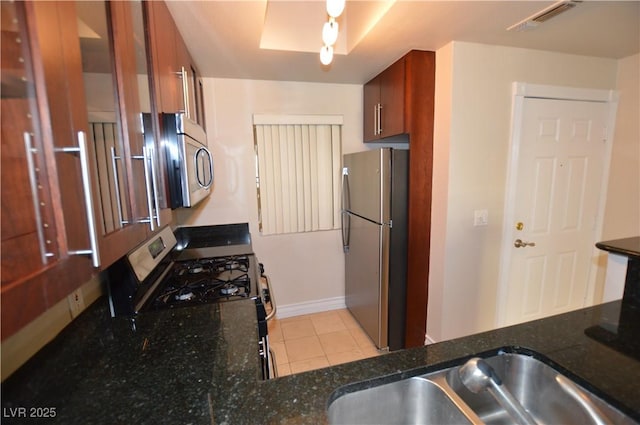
[200,365]
[626,246]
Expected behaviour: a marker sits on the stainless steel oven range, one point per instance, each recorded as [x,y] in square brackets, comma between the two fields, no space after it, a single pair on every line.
[193,266]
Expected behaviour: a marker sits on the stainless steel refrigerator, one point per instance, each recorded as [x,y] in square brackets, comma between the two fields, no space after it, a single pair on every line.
[374,238]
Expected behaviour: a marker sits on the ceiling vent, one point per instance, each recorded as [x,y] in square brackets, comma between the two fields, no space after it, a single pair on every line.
[544,15]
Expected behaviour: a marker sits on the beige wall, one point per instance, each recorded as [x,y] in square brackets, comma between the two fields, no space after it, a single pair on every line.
[439,210]
[473,114]
[622,209]
[304,267]
[622,216]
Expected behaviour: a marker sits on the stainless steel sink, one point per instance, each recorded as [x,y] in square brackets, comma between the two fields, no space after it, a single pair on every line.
[539,390]
[415,400]
[441,398]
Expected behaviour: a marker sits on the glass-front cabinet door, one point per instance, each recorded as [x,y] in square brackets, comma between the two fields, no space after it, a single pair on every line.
[77,166]
[114,129]
[157,207]
[44,221]
[105,133]
[28,230]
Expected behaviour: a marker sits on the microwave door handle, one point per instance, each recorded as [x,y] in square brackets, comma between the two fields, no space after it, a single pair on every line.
[197,167]
[199,179]
[211,175]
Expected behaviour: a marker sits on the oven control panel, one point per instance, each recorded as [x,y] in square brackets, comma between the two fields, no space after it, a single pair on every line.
[148,255]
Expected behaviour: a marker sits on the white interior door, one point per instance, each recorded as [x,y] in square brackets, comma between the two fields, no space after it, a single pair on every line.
[561,156]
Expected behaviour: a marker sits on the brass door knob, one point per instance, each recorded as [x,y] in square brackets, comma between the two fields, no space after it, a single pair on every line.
[518,243]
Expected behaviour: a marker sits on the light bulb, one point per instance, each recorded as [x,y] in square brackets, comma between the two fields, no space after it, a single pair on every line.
[335,7]
[330,32]
[326,55]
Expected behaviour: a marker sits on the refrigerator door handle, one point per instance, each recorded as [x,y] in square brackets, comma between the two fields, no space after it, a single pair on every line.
[344,217]
[346,193]
[346,230]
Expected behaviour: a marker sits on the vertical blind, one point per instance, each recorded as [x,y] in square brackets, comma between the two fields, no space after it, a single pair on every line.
[298,160]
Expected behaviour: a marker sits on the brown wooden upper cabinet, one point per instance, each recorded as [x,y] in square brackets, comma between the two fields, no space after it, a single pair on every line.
[177,80]
[384,103]
[82,86]
[400,100]
[45,234]
[110,114]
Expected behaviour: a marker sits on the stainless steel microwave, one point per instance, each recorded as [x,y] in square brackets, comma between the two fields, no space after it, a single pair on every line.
[189,162]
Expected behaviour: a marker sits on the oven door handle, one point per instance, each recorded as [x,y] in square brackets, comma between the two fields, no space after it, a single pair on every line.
[272,298]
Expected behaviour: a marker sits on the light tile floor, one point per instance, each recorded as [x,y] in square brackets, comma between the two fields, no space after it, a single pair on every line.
[314,341]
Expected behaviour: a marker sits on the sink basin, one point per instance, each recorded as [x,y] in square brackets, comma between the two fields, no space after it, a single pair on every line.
[533,383]
[440,398]
[416,400]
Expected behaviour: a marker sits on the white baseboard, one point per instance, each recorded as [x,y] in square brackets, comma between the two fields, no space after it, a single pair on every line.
[310,307]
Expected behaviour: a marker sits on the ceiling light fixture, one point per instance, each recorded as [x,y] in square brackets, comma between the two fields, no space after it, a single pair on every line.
[335,7]
[326,55]
[330,30]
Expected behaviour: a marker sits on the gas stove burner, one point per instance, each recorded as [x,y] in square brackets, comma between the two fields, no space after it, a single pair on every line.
[185,297]
[229,289]
[207,280]
[232,265]
[195,269]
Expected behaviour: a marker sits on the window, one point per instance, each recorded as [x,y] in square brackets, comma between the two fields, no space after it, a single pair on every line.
[298,160]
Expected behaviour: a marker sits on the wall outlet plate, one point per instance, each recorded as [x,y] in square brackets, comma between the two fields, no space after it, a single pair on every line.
[76,303]
[481,218]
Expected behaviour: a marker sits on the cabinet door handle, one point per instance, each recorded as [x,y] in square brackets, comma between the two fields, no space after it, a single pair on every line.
[375,119]
[154,180]
[149,186]
[88,198]
[185,91]
[116,185]
[31,168]
[379,118]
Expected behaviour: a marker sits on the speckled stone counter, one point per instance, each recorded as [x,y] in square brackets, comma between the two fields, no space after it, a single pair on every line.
[200,365]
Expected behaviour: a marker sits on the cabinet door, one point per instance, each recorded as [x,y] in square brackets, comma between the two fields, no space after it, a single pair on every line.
[28,228]
[155,212]
[189,77]
[42,218]
[392,96]
[108,111]
[163,50]
[371,95]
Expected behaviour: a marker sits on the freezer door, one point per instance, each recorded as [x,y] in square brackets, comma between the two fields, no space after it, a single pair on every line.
[366,285]
[367,177]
